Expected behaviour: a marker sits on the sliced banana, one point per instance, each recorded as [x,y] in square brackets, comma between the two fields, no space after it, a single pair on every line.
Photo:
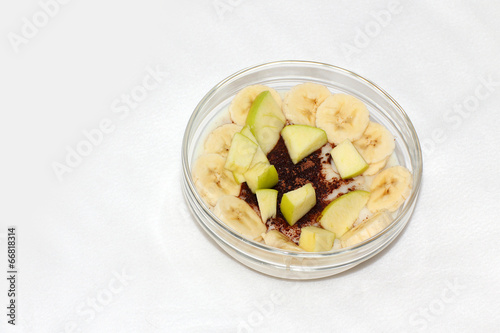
[239,216]
[342,117]
[243,100]
[275,238]
[302,101]
[219,141]
[373,168]
[389,189]
[366,229]
[376,143]
[212,180]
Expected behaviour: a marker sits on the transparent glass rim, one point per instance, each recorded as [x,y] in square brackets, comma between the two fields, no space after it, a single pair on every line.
[417,172]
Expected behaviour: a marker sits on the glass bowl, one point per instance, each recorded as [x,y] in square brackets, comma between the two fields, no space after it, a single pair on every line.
[282,76]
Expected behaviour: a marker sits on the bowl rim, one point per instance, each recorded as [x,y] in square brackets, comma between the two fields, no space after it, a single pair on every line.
[417,172]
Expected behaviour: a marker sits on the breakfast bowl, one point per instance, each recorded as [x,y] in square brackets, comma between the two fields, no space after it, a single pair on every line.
[212,111]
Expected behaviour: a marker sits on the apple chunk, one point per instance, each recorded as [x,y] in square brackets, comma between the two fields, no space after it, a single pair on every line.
[348,160]
[302,140]
[266,120]
[259,157]
[268,201]
[240,154]
[341,213]
[248,133]
[261,175]
[314,239]
[297,203]
[259,154]
[238,177]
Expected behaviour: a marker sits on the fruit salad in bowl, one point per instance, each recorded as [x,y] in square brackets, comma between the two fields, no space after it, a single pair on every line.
[238,173]
[300,176]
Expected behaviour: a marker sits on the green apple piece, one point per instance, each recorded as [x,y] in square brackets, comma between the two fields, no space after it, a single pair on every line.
[341,213]
[314,239]
[348,160]
[259,154]
[268,201]
[266,120]
[261,175]
[248,133]
[241,153]
[302,140]
[238,177]
[259,157]
[297,203]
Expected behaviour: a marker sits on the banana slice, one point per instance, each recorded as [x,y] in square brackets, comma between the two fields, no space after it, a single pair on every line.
[239,216]
[366,229]
[342,117]
[212,180]
[375,167]
[302,101]
[275,238]
[219,141]
[389,189]
[376,143]
[243,101]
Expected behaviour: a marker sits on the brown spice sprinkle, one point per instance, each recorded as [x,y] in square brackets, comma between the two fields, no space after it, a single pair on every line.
[250,198]
[291,177]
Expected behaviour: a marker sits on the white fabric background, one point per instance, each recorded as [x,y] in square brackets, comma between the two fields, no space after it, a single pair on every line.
[121,212]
